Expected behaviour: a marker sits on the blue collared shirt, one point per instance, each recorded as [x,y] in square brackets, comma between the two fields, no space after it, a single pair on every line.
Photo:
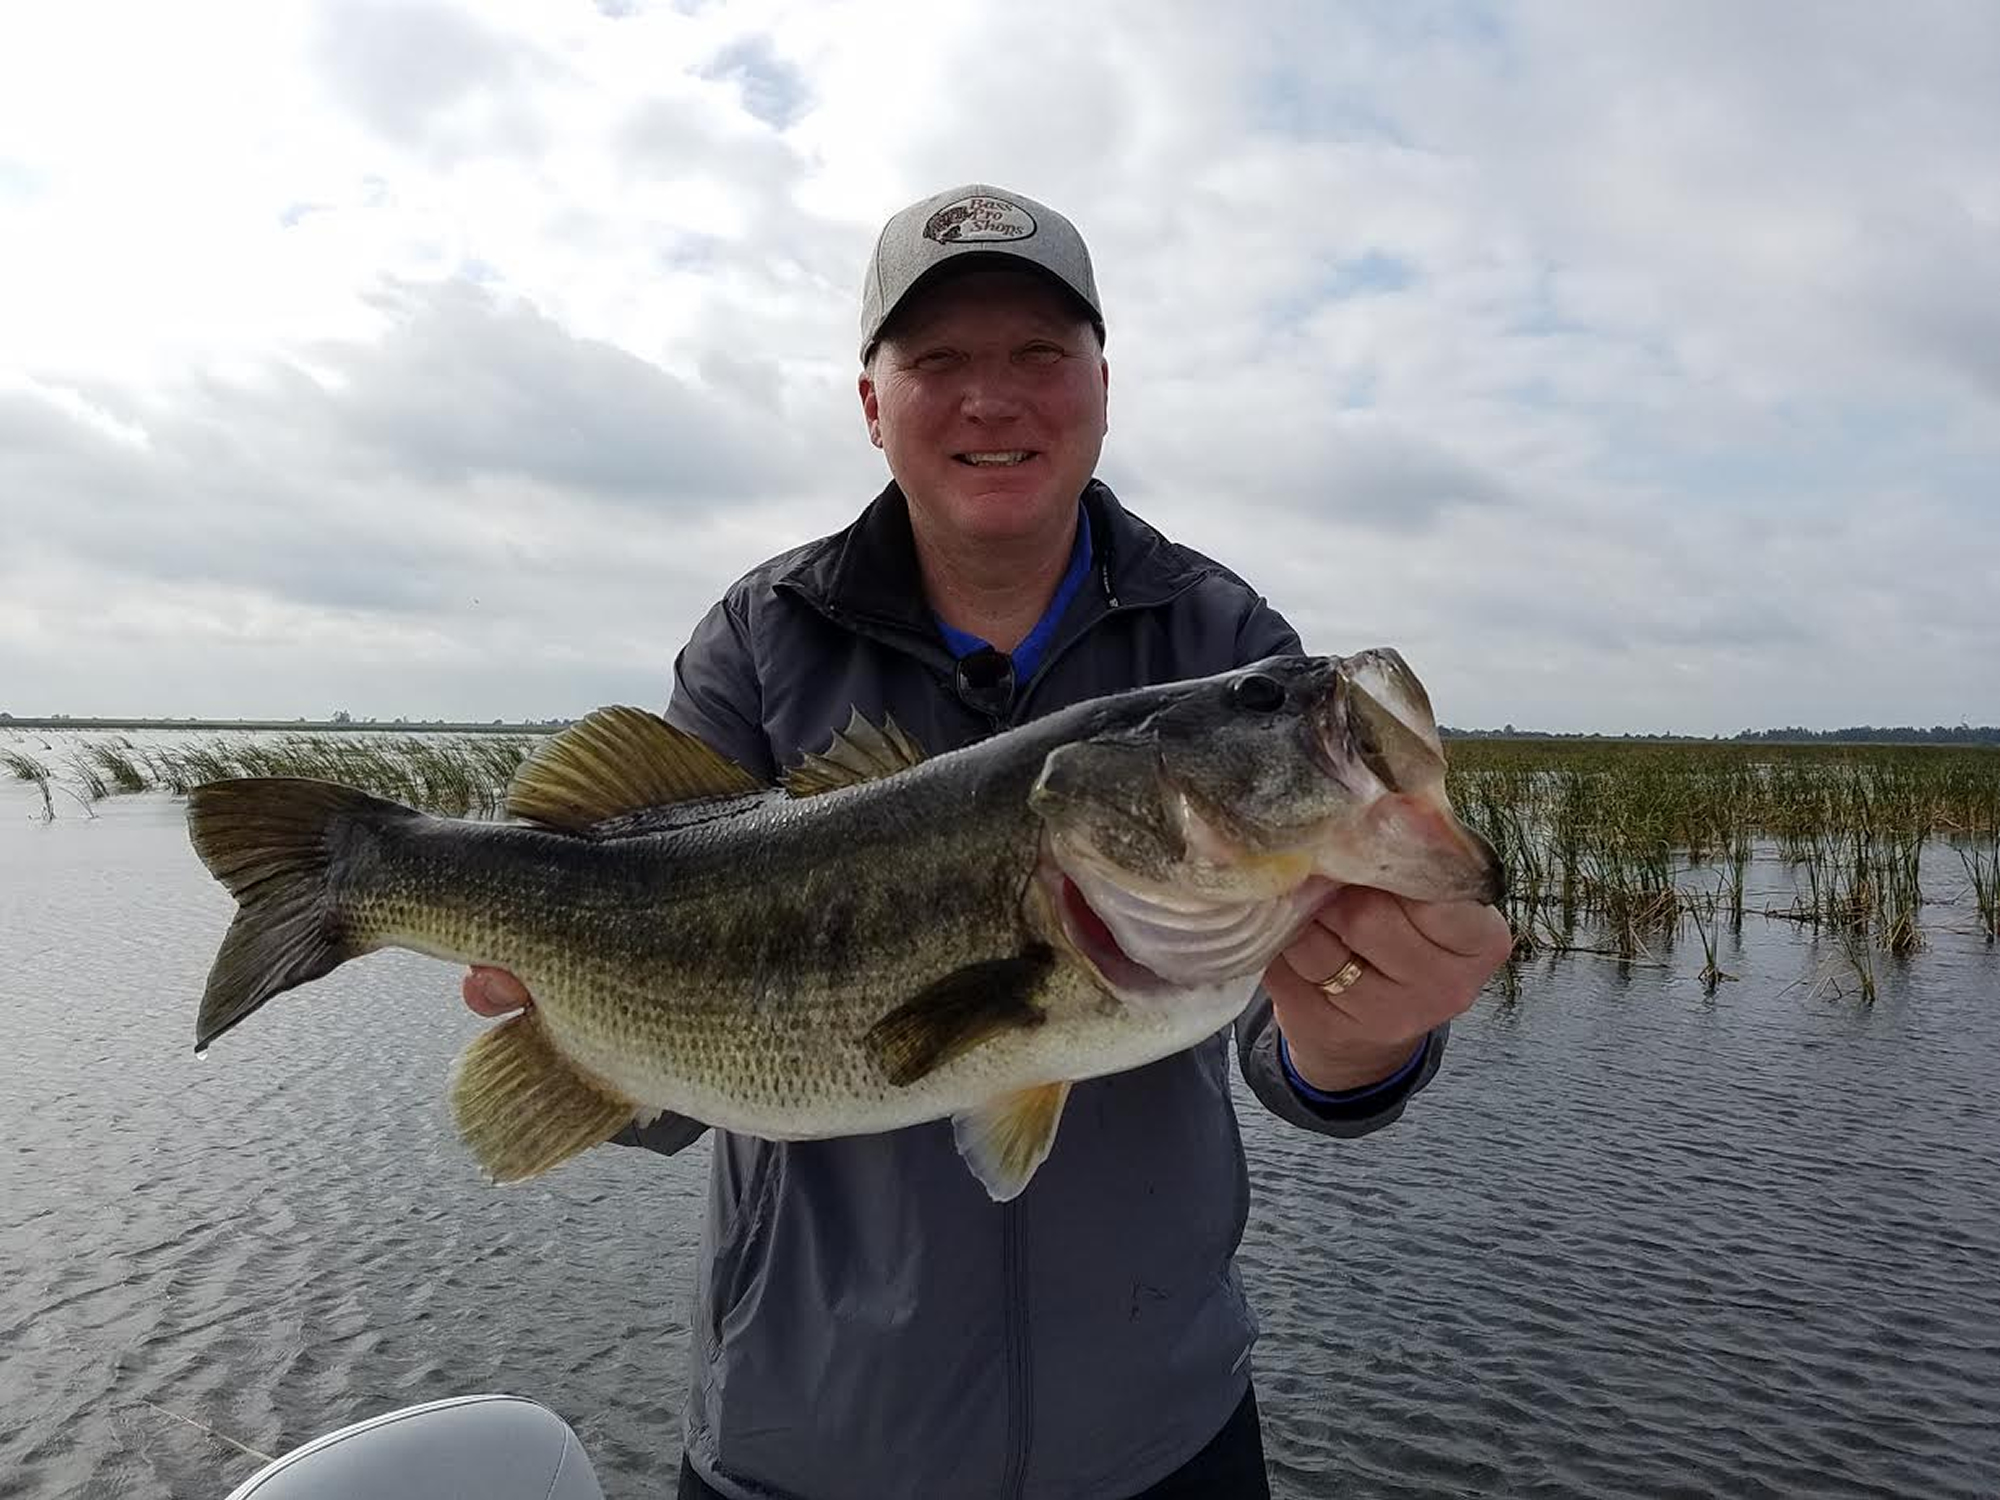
[1035,645]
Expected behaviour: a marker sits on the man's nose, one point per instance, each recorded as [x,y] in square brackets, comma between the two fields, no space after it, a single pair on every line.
[990,399]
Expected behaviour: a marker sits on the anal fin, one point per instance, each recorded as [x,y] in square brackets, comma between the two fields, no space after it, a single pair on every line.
[1006,1139]
[522,1108]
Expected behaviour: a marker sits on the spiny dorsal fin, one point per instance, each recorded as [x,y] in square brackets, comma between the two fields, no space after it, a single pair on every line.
[956,1013]
[619,760]
[859,753]
[1005,1139]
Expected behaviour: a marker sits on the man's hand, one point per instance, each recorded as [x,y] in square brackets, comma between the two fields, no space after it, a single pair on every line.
[493,992]
[1422,963]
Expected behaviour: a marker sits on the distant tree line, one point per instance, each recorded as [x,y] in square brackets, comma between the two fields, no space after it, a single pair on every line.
[1860,734]
[1870,734]
[1509,732]
[1901,734]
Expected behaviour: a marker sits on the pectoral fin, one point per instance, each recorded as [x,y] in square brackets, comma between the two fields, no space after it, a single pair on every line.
[1005,1140]
[523,1108]
[958,1012]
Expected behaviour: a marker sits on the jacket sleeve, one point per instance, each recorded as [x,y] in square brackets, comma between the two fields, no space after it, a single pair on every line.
[1264,632]
[716,697]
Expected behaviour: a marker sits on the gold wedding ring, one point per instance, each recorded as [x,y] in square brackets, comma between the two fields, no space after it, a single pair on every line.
[1343,978]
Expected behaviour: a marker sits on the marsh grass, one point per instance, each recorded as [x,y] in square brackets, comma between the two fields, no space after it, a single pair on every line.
[452,775]
[1621,841]
[1706,911]
[1611,847]
[1982,869]
[118,766]
[26,768]
[87,781]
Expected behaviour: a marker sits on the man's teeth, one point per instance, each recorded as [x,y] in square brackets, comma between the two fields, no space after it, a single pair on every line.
[1016,456]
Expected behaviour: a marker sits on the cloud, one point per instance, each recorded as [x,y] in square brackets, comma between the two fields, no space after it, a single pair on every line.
[422,73]
[474,457]
[1630,367]
[466,386]
[463,388]
[774,91]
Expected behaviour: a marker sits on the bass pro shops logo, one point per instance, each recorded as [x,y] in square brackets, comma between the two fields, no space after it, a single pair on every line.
[975,220]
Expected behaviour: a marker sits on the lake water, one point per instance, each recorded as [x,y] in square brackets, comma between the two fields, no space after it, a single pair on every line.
[1634,1241]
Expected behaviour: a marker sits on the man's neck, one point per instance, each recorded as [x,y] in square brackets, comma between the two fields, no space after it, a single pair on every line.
[996,591]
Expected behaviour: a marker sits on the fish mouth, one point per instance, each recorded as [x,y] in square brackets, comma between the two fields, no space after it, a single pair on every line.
[1094,940]
[1089,936]
[1148,946]
[1376,732]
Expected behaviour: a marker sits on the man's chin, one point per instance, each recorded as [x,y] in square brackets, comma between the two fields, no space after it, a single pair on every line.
[997,509]
[1006,518]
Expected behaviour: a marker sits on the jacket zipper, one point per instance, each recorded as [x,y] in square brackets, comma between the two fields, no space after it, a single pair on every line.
[1019,1347]
[1016,1347]
[1019,1352]
[1062,648]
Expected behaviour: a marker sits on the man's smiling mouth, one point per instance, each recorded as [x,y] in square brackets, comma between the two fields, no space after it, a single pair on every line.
[997,458]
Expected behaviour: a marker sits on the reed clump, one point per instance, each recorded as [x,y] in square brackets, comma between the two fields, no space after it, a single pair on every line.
[1609,846]
[23,767]
[1706,912]
[119,768]
[452,775]
[1982,869]
[1629,838]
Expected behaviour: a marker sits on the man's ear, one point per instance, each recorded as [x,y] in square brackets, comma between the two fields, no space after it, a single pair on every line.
[865,384]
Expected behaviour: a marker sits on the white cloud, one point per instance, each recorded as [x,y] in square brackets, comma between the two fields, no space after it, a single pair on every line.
[1631,367]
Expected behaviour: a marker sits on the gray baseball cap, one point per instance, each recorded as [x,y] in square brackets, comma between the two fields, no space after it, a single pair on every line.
[968,225]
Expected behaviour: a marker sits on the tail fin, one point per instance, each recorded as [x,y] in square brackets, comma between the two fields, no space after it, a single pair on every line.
[278,844]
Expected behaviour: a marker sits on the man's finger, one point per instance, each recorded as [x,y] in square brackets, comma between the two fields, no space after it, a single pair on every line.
[1462,927]
[1378,929]
[493,992]
[1316,954]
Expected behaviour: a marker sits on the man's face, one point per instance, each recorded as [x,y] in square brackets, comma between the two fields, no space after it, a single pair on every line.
[988,396]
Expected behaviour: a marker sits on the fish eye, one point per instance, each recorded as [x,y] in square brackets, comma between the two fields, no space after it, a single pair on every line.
[1257,693]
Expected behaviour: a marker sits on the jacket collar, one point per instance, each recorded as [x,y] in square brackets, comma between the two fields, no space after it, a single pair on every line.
[868,571]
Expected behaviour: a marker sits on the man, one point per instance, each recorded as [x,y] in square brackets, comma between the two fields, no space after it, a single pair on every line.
[869,1323]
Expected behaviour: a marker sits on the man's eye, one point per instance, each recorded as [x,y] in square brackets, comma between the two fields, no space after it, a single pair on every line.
[1042,354]
[935,359]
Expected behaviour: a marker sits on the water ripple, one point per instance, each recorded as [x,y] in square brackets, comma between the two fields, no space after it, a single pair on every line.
[1635,1242]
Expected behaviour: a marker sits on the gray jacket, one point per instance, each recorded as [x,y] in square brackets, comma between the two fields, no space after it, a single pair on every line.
[869,1325]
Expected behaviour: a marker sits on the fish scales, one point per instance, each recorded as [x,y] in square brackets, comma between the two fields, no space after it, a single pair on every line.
[741,959]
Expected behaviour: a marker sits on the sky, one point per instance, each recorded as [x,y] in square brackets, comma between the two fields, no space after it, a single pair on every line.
[1630,367]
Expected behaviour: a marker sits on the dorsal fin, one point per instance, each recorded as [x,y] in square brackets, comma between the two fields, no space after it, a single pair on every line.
[619,760]
[859,753]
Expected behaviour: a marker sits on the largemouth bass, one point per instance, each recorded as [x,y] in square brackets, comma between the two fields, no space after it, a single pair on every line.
[884,939]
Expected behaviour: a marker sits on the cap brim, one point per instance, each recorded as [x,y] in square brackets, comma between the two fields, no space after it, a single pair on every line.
[981,260]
